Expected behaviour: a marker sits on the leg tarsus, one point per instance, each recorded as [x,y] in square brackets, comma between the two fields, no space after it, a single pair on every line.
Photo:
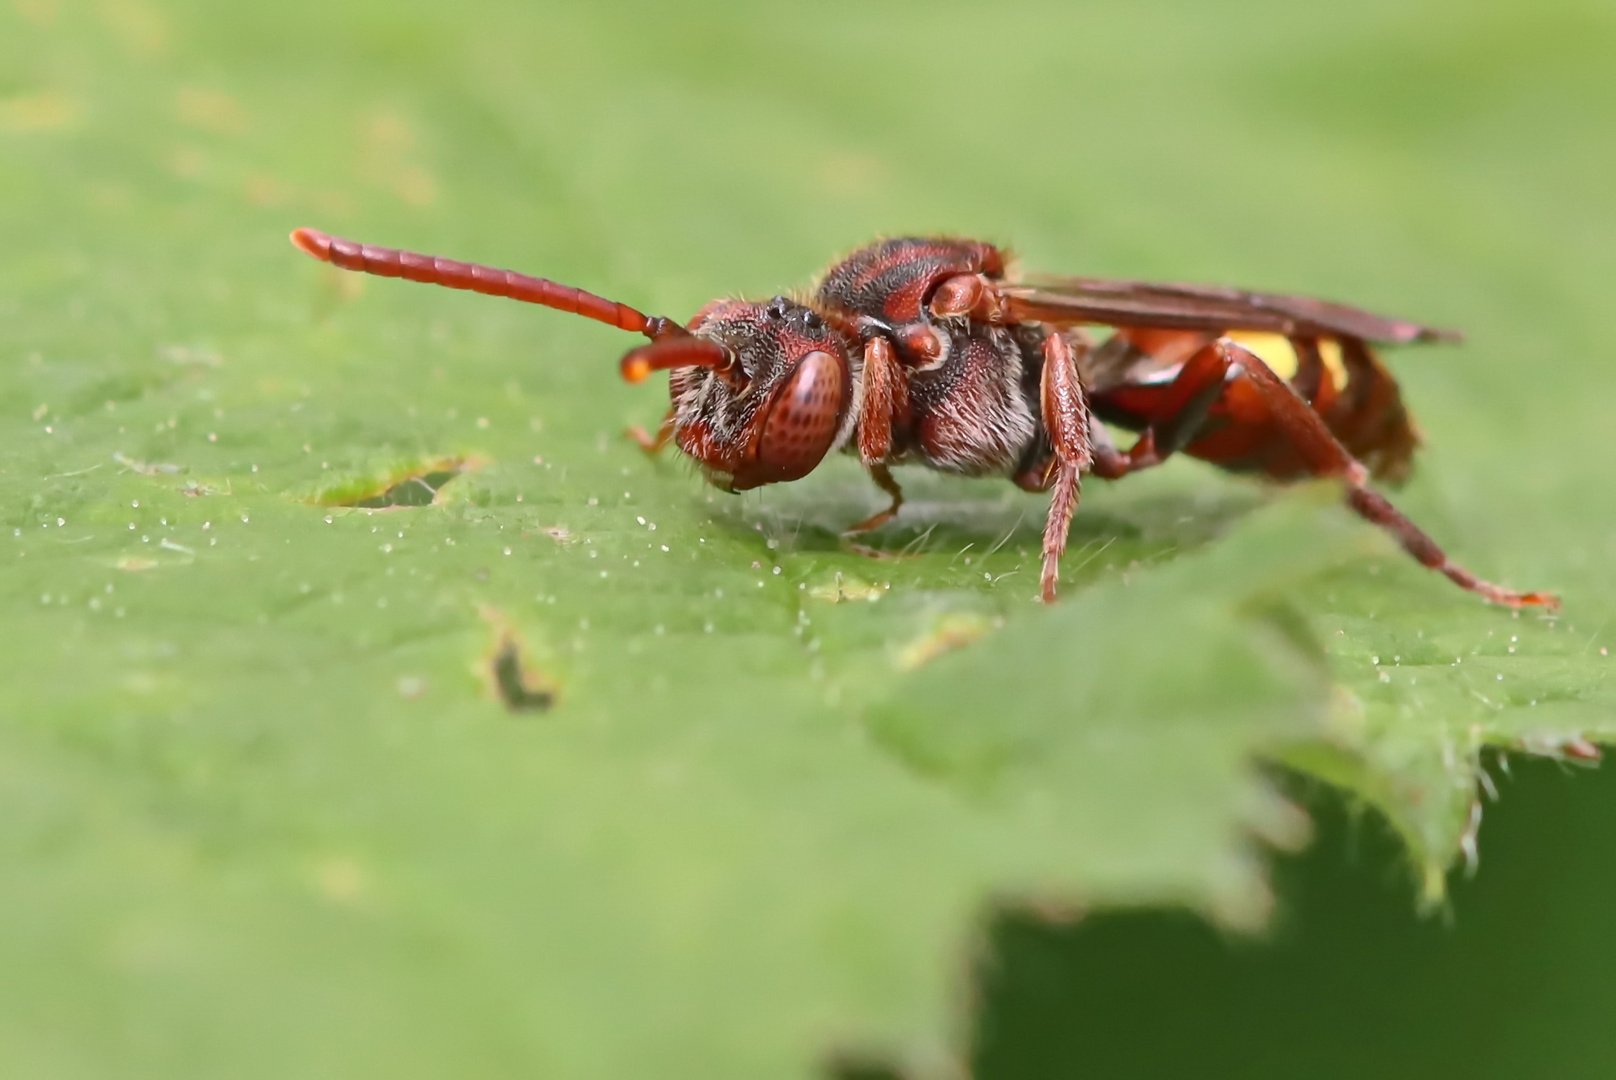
[653,444]
[1062,504]
[1378,510]
[883,479]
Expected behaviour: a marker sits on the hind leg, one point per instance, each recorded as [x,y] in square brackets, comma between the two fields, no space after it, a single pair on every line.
[1323,454]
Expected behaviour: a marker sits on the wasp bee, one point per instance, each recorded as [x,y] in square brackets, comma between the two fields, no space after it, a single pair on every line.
[928,351]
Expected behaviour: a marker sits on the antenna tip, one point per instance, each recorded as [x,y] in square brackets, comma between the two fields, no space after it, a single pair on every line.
[636,369]
[312,242]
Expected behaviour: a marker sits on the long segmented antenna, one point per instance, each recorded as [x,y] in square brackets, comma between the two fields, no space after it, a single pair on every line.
[388,262]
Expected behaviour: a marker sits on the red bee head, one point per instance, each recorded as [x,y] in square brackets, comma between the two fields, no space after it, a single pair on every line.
[761,392]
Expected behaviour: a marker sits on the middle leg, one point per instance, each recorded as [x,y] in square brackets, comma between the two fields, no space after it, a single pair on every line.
[883,479]
[885,404]
[1177,419]
[653,444]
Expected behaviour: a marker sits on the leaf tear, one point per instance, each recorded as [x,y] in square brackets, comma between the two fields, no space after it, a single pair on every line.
[417,484]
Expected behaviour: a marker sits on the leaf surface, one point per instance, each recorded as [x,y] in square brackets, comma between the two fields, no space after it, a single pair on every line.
[376,708]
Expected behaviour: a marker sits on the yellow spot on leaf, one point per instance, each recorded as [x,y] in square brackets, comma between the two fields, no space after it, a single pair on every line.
[341,880]
[951,632]
[48,110]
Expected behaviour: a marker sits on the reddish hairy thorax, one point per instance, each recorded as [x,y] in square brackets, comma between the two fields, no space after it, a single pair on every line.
[761,392]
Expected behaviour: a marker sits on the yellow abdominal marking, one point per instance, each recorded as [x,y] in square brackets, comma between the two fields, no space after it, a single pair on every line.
[1277,353]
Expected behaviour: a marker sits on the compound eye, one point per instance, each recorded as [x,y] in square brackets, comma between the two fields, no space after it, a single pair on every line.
[803,420]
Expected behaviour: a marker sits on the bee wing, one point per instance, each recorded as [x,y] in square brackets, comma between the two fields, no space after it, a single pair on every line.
[1070,300]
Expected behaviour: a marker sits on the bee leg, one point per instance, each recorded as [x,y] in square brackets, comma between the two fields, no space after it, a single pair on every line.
[653,444]
[1190,397]
[1324,455]
[886,483]
[1110,462]
[1066,417]
[885,402]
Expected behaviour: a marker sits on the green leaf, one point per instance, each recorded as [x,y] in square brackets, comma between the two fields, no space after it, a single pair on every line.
[375,707]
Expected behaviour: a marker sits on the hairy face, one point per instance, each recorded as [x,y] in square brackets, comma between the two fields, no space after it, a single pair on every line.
[783,400]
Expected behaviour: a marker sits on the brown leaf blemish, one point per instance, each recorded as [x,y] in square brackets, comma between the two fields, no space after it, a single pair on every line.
[510,671]
[951,632]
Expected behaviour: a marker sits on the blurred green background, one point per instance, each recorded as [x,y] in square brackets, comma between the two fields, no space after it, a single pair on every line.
[259,829]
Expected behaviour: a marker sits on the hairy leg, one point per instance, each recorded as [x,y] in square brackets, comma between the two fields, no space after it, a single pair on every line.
[886,401]
[1066,418]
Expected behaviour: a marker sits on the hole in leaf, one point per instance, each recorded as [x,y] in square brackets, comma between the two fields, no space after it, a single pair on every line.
[415,491]
[416,484]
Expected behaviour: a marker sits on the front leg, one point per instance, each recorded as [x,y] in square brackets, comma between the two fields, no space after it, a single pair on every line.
[653,444]
[883,479]
[1066,417]
[886,403]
